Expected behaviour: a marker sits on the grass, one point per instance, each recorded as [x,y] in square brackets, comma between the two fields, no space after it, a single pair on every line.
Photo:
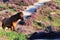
[57,2]
[47,18]
[47,12]
[39,18]
[12,35]
[3,5]
[12,10]
[57,11]
[35,24]
[15,36]
[56,22]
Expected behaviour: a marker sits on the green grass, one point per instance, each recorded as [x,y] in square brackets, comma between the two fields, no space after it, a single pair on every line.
[12,35]
[35,24]
[39,18]
[57,11]
[3,5]
[57,2]
[47,12]
[56,22]
[47,19]
[12,10]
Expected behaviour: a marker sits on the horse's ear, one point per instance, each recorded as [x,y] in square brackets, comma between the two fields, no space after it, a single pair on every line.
[19,13]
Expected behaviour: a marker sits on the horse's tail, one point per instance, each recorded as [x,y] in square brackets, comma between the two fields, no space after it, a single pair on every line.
[3,23]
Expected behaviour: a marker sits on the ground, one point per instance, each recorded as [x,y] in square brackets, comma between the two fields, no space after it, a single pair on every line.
[46,15]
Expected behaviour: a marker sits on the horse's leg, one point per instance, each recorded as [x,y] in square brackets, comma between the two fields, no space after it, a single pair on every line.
[13,28]
[14,25]
[3,26]
[9,29]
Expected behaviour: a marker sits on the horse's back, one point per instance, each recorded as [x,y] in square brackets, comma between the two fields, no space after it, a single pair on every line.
[6,22]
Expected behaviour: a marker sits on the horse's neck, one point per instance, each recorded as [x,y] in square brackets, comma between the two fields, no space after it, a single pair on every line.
[17,19]
[14,19]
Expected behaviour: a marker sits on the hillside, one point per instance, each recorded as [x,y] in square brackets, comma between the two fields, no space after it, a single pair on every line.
[47,15]
[29,2]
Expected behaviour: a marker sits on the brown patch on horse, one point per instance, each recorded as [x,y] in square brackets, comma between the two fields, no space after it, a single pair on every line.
[14,24]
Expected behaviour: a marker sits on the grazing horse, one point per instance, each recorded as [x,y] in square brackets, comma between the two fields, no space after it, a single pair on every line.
[11,21]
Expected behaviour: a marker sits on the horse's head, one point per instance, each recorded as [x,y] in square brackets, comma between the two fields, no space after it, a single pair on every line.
[20,15]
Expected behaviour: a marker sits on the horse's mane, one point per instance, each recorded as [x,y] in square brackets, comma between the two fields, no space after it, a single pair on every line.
[15,17]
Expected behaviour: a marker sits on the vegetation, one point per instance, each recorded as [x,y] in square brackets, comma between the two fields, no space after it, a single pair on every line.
[57,2]
[56,22]
[42,17]
[12,35]
[21,3]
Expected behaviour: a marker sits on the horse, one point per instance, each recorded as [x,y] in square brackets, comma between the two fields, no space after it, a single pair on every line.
[11,21]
